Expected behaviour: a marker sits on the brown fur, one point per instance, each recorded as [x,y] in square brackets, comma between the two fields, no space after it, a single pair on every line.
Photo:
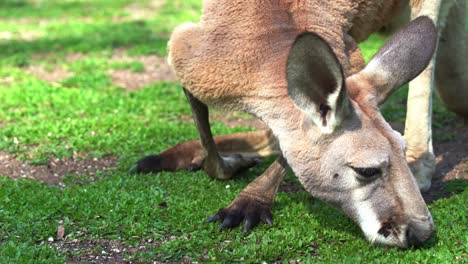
[219,59]
[190,155]
[452,80]
[237,58]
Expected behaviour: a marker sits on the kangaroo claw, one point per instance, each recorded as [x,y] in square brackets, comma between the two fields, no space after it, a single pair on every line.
[243,209]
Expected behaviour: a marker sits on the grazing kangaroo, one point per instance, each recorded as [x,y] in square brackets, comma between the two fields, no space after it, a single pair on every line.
[295,65]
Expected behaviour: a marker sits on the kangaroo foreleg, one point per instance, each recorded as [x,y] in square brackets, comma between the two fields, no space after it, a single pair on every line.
[254,202]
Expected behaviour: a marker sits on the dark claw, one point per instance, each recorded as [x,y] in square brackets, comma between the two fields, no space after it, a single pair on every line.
[223,225]
[267,217]
[220,215]
[217,216]
[133,170]
[247,209]
[251,222]
[226,223]
[247,225]
[212,218]
[232,220]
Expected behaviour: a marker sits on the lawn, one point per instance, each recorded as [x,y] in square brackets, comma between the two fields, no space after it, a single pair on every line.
[81,100]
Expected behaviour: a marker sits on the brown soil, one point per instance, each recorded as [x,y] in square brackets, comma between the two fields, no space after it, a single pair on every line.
[451,163]
[452,156]
[6,81]
[102,251]
[108,251]
[156,69]
[56,169]
[144,10]
[58,73]
[97,251]
[136,11]
[55,75]
[72,57]
[44,22]
[25,35]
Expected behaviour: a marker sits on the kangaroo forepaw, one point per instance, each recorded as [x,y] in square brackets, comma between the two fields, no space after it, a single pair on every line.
[245,209]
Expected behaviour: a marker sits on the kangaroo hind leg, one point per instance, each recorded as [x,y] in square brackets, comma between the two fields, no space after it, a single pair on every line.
[221,156]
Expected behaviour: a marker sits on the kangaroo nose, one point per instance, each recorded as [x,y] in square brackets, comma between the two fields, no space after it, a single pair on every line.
[419,231]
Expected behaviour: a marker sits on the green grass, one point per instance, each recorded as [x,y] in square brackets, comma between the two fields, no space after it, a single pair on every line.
[89,115]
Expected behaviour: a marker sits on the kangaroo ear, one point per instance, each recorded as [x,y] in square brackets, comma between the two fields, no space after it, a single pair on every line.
[404,56]
[315,81]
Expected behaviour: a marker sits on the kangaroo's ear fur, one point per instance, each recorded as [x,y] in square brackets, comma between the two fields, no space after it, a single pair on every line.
[403,57]
[315,81]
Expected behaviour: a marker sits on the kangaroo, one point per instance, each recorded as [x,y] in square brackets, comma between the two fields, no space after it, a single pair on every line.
[295,65]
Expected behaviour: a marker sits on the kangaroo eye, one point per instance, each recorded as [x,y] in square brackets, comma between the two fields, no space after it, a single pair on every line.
[368,173]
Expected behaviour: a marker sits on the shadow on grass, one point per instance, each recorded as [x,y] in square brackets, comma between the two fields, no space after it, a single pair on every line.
[449,177]
[13,4]
[21,9]
[442,190]
[456,186]
[93,38]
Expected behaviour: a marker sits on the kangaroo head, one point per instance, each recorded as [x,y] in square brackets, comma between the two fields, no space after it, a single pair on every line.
[339,145]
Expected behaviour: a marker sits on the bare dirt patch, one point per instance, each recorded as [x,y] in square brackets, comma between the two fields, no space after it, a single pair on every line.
[7,81]
[110,251]
[451,158]
[56,169]
[52,76]
[156,69]
[22,35]
[57,73]
[144,10]
[451,163]
[72,57]
[91,251]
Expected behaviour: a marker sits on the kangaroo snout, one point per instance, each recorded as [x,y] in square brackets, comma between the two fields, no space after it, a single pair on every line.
[419,231]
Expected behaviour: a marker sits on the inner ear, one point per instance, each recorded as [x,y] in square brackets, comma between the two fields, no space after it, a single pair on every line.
[315,79]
